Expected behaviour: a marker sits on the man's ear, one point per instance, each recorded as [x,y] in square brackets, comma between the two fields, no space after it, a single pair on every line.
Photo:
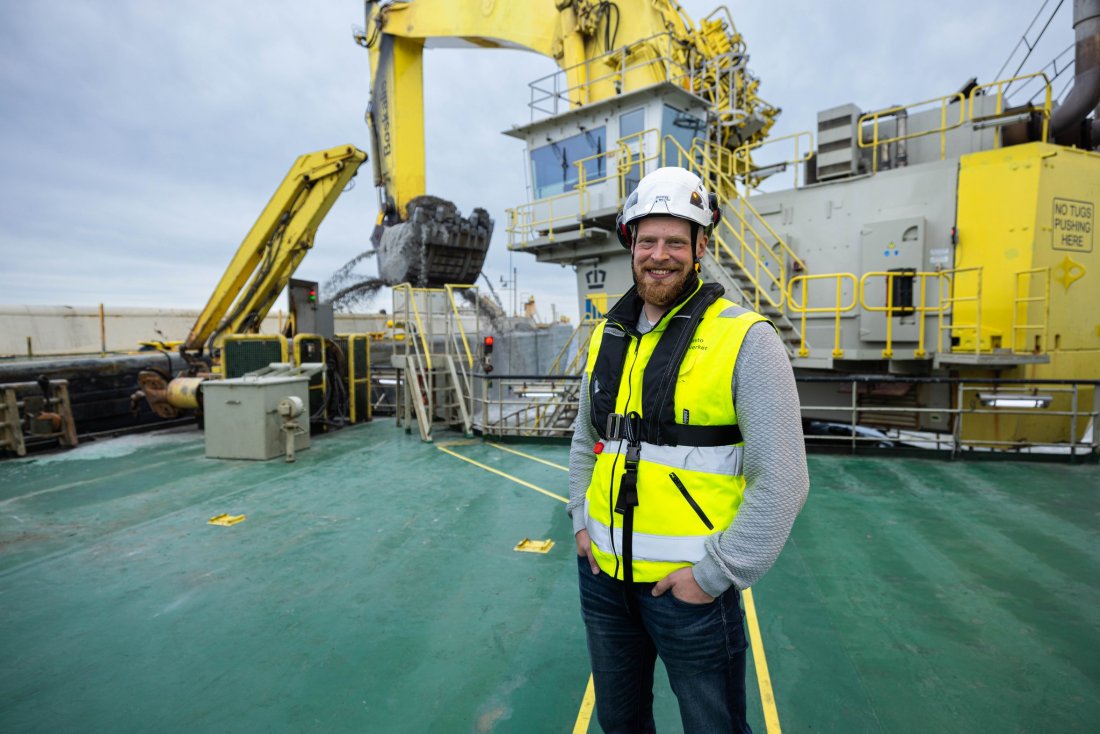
[701,246]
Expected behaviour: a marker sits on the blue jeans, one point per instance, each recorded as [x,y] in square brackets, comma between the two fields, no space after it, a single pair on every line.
[701,645]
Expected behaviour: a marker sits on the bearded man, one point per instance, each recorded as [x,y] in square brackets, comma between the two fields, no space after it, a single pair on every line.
[686,471]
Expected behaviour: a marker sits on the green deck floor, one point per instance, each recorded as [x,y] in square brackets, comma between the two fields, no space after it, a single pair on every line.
[373,587]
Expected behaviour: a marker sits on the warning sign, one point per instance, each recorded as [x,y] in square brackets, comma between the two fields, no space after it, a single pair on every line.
[1073,223]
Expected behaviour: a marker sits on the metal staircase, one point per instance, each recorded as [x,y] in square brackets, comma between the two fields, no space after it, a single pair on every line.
[753,263]
[741,289]
[745,254]
[434,358]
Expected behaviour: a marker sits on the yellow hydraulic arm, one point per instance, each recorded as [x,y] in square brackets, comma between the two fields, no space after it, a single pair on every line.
[274,247]
[588,39]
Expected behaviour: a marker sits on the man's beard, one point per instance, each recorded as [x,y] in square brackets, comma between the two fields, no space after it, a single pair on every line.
[664,293]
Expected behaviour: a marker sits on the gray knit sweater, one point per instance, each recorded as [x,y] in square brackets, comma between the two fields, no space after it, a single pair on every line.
[774,463]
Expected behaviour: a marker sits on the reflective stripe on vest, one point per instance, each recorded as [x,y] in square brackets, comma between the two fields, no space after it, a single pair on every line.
[647,546]
[721,460]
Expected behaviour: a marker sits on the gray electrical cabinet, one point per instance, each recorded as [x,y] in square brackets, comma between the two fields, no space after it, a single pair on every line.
[310,315]
[892,246]
[242,418]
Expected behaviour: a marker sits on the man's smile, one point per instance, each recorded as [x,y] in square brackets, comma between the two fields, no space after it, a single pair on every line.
[661,273]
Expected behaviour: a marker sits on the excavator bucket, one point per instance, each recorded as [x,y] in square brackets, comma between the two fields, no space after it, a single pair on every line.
[435,245]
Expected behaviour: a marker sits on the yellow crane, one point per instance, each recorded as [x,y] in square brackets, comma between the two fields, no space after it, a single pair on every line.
[274,247]
[601,47]
[423,239]
[259,271]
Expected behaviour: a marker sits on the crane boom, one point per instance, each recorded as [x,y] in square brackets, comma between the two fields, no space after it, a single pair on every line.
[597,45]
[274,247]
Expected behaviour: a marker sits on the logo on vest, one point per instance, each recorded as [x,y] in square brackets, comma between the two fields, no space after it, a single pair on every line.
[697,343]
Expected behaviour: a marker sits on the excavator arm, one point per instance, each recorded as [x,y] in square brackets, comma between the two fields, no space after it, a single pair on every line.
[273,248]
[263,265]
[597,45]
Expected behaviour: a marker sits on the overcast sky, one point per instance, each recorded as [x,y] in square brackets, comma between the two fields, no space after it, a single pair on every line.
[140,139]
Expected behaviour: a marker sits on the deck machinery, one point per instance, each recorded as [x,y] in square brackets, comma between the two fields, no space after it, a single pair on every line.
[954,237]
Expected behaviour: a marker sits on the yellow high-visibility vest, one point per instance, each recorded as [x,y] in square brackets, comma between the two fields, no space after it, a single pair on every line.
[678,379]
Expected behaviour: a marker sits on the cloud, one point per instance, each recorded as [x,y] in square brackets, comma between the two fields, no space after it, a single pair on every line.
[141,140]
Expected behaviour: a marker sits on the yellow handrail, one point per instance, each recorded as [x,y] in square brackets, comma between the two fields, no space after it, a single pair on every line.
[1019,300]
[948,300]
[623,159]
[727,183]
[451,288]
[837,308]
[627,65]
[582,348]
[617,161]
[918,310]
[411,298]
[522,223]
[874,117]
[742,160]
[761,274]
[1001,86]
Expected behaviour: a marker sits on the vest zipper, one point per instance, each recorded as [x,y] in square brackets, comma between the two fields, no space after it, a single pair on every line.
[691,500]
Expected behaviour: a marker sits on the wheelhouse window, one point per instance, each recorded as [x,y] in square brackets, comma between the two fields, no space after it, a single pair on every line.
[685,129]
[631,124]
[554,167]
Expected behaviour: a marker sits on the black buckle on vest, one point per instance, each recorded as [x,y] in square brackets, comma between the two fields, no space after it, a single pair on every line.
[628,487]
[614,429]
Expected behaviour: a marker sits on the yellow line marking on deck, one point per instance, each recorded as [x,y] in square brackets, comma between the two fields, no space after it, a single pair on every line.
[767,697]
[528,456]
[517,480]
[588,703]
[459,442]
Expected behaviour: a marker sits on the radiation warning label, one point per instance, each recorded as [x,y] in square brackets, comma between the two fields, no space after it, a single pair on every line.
[1073,224]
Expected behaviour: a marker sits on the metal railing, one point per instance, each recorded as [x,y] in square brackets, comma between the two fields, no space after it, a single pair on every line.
[764,260]
[1064,402]
[538,218]
[950,292]
[631,154]
[1025,281]
[522,406]
[837,309]
[436,383]
[893,112]
[581,337]
[950,298]
[999,109]
[631,67]
[966,113]
[456,319]
[744,166]
[545,216]
[892,310]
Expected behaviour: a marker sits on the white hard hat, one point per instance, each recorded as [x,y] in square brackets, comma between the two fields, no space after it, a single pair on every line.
[668,191]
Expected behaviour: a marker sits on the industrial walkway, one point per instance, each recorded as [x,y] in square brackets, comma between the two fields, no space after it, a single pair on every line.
[373,586]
